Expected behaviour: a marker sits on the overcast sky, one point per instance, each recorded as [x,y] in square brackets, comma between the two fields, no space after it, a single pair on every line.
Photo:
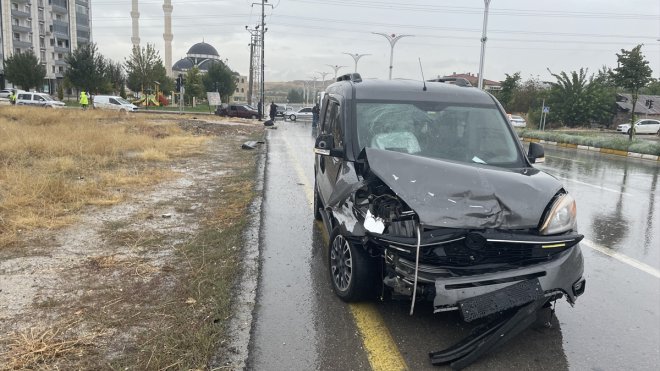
[304,36]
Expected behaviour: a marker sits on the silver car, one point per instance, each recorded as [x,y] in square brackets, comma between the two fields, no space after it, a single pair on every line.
[517,121]
[644,126]
[303,113]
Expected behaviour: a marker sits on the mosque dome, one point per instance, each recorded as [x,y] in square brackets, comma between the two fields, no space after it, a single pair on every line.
[204,49]
[182,65]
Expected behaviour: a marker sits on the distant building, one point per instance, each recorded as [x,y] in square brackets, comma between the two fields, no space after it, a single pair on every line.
[624,107]
[203,55]
[49,28]
[474,80]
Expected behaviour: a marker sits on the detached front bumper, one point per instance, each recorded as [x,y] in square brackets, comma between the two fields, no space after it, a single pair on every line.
[562,275]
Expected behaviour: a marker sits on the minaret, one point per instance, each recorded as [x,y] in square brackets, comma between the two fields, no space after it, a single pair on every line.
[167,36]
[135,15]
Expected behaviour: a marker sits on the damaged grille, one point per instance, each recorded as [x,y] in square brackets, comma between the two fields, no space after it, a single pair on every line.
[463,253]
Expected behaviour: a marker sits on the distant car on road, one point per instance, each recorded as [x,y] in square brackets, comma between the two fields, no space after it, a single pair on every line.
[644,126]
[517,121]
[237,110]
[303,113]
[38,100]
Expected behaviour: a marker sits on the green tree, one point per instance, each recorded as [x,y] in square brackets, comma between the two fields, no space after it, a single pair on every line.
[510,86]
[23,69]
[60,91]
[653,88]
[160,75]
[143,67]
[579,99]
[87,68]
[632,73]
[222,78]
[194,85]
[294,96]
[115,76]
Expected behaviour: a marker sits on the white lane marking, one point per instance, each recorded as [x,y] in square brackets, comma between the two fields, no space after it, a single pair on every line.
[623,258]
[593,185]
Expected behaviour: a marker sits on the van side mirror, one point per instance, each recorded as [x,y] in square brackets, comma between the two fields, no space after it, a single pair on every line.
[536,154]
[325,146]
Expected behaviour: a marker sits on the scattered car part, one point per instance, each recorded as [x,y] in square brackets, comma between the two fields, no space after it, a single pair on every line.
[489,337]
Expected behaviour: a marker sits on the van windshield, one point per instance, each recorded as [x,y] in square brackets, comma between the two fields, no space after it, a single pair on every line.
[463,133]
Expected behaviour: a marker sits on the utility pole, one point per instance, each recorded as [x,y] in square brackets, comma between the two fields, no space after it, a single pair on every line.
[393,38]
[336,68]
[356,58]
[483,45]
[263,52]
[254,38]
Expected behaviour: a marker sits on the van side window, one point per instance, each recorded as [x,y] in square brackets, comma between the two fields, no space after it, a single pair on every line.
[323,115]
[24,96]
[333,123]
[113,101]
[39,98]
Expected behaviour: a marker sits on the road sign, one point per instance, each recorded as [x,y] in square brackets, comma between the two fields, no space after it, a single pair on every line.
[214,98]
[546,109]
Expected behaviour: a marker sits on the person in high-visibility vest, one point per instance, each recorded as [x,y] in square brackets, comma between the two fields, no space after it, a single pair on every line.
[84,100]
[12,97]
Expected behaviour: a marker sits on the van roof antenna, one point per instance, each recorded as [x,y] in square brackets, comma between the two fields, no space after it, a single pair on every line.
[422,70]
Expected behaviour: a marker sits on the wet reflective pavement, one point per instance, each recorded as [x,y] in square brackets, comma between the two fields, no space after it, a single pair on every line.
[301,325]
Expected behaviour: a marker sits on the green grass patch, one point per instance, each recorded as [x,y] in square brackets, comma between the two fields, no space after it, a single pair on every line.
[594,140]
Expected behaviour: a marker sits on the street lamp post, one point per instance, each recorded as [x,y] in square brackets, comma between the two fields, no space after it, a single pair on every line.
[393,38]
[323,75]
[356,58]
[483,45]
[336,68]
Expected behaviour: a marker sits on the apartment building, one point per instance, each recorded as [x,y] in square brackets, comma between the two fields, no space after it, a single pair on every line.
[50,28]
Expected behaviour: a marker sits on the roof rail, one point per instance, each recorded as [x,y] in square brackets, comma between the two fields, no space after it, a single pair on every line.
[460,81]
[354,77]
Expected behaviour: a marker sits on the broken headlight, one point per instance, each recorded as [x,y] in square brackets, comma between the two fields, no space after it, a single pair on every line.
[562,217]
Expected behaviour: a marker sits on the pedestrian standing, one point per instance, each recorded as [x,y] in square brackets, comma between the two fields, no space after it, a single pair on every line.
[12,97]
[315,115]
[84,100]
[273,110]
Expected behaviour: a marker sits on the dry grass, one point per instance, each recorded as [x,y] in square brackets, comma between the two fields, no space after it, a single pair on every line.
[37,348]
[54,162]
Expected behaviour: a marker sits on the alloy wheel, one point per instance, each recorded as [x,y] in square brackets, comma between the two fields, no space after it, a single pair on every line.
[341,263]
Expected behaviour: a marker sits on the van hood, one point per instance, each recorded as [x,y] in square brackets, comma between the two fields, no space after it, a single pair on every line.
[456,195]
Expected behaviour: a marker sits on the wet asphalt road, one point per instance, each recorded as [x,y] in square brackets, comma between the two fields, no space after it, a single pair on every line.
[300,324]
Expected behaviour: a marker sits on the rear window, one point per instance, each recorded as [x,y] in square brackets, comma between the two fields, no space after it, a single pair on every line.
[463,133]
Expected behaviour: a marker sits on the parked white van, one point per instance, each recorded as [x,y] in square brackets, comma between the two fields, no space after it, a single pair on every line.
[37,99]
[114,102]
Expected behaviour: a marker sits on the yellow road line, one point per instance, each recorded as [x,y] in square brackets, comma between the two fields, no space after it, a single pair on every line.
[382,352]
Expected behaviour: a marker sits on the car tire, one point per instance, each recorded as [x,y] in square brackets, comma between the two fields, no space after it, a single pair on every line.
[317,204]
[352,271]
[628,132]
[253,117]
[292,117]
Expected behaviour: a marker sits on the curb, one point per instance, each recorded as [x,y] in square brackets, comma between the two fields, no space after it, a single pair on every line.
[235,351]
[594,149]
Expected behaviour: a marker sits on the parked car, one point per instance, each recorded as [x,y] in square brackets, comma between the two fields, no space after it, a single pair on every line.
[427,194]
[37,99]
[517,121]
[303,113]
[237,110]
[4,93]
[644,126]
[114,102]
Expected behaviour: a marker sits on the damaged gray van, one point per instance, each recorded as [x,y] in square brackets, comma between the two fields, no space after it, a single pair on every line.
[427,193]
